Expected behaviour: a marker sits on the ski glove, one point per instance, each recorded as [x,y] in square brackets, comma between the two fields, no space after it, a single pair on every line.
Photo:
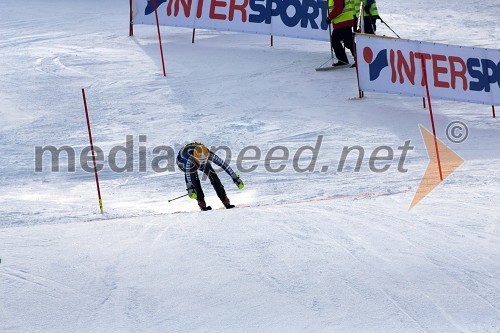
[191,192]
[238,182]
[328,20]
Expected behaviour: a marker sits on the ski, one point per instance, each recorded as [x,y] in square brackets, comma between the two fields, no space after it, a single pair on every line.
[225,207]
[331,68]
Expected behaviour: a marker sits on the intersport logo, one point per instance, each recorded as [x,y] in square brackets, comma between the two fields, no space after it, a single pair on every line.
[305,13]
[445,71]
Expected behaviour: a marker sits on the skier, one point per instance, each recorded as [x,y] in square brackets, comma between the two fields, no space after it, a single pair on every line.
[341,13]
[196,155]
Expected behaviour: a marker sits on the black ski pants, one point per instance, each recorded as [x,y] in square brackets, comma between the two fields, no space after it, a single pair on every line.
[339,36]
[209,171]
[370,25]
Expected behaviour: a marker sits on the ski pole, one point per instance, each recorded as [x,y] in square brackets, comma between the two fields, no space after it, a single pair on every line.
[329,31]
[330,34]
[360,24]
[388,27]
[182,196]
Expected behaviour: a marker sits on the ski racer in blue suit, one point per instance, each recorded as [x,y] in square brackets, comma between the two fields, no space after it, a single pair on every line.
[196,156]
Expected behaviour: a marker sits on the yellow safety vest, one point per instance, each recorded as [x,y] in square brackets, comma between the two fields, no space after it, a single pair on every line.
[357,5]
[347,13]
[373,10]
[330,6]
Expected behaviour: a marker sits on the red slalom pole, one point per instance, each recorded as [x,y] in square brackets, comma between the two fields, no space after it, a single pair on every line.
[131,25]
[159,38]
[92,148]
[360,92]
[424,73]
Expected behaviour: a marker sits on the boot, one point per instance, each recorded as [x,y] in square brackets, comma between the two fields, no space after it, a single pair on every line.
[227,203]
[203,206]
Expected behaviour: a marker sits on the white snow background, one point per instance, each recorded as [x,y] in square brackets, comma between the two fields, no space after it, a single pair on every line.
[306,252]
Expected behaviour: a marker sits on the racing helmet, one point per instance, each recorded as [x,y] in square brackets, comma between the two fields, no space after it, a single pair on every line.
[201,153]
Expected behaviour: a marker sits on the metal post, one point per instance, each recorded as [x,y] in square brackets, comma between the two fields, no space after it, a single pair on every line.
[159,38]
[93,153]
[131,25]
[424,74]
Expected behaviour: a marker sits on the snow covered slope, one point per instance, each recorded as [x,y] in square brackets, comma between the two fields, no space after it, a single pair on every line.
[307,252]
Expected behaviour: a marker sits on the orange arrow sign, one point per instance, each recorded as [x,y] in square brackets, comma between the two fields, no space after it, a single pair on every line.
[450,161]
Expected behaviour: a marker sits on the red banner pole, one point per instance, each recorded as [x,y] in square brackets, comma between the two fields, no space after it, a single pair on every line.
[424,74]
[93,153]
[192,39]
[361,93]
[493,109]
[131,26]
[159,38]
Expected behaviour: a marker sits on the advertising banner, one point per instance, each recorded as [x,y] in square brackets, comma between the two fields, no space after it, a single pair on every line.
[291,18]
[458,73]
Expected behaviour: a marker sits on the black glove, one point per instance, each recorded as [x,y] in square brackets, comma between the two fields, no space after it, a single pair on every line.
[367,9]
[328,20]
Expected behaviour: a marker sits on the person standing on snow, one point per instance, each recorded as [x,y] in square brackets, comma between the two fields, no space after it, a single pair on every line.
[196,156]
[341,14]
[370,16]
